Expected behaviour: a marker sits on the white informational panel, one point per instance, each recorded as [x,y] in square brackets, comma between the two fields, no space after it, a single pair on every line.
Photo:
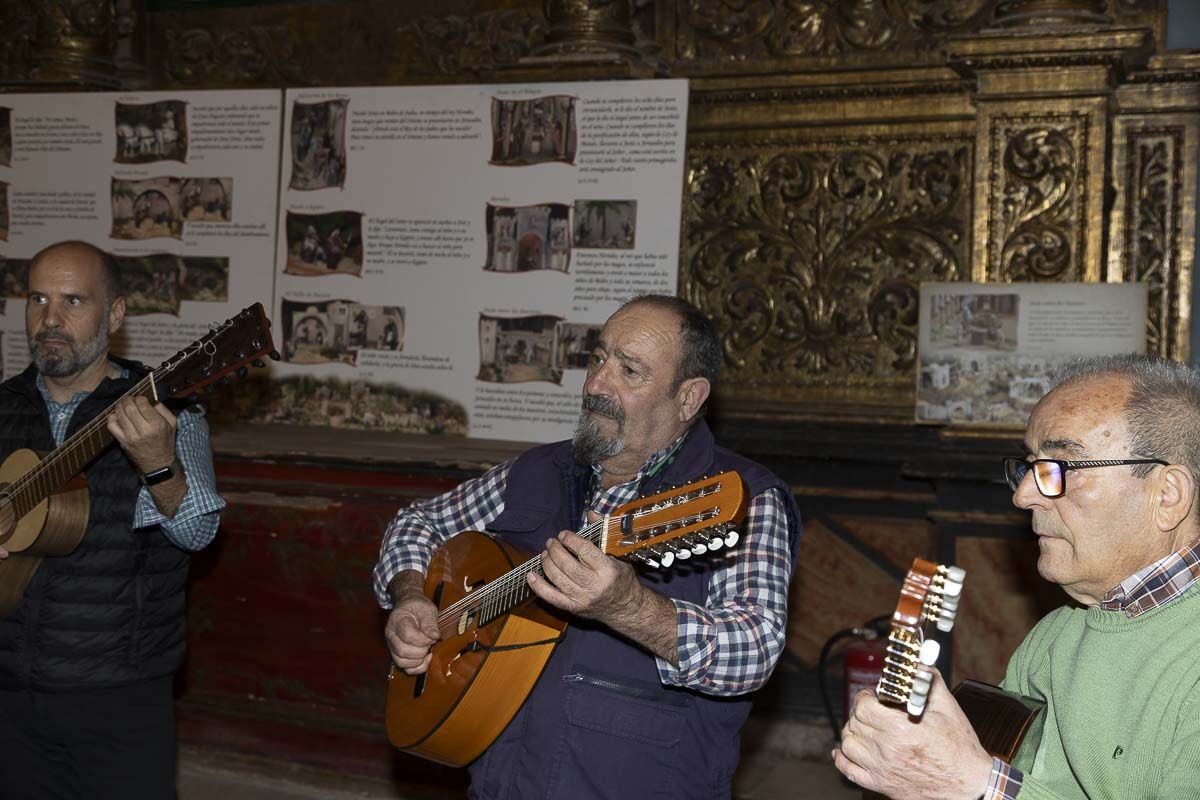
[179,186]
[446,255]
[987,351]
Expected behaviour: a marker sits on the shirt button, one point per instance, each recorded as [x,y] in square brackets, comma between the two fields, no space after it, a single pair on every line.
[1134,608]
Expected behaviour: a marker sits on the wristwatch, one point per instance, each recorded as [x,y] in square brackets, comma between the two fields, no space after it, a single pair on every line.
[157,476]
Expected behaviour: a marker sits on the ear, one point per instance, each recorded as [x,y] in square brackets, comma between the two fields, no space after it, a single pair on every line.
[1176,496]
[691,396]
[116,314]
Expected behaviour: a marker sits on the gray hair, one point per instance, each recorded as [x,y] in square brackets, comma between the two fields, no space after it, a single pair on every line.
[1163,408]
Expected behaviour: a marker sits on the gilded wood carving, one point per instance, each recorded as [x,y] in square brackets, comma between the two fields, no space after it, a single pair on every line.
[809,253]
[1037,196]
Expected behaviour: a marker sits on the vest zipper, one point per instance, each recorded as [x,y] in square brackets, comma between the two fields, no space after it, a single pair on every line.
[640,692]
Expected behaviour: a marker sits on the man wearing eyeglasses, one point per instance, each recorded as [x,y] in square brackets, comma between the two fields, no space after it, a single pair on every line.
[1110,476]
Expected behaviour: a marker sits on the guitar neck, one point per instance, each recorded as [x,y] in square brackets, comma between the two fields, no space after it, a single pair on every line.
[68,459]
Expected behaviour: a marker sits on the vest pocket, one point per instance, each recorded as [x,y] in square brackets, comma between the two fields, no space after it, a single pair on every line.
[620,740]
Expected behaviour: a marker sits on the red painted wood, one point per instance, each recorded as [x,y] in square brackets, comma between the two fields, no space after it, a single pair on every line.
[286,654]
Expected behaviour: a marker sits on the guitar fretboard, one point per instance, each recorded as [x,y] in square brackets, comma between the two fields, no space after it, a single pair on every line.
[505,593]
[69,458]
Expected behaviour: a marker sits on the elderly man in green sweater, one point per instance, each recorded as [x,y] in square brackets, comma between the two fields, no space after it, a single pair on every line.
[1111,479]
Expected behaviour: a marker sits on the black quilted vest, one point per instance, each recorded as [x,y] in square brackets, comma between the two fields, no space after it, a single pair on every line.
[112,612]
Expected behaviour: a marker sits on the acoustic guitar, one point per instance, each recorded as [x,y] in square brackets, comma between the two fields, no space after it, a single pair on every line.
[1002,720]
[44,501]
[495,640]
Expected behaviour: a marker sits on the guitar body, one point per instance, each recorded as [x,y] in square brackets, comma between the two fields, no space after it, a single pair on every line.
[1002,720]
[470,693]
[53,527]
[496,637]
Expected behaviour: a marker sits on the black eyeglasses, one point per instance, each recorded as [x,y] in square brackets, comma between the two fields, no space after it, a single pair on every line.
[1050,474]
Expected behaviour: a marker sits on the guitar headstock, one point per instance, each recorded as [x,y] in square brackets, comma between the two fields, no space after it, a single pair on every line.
[929,595]
[228,347]
[693,519]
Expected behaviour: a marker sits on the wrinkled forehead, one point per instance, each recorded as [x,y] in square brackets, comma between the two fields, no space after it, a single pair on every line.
[1082,418]
[645,327]
[66,268]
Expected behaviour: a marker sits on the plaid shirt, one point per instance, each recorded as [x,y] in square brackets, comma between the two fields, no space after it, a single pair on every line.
[195,522]
[728,646]
[1143,591]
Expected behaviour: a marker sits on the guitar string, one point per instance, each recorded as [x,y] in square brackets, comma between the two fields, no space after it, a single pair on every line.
[513,581]
[590,531]
[509,579]
[42,478]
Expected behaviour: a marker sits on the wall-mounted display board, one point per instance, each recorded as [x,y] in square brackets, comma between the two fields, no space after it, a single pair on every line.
[988,351]
[447,255]
[180,187]
[435,259]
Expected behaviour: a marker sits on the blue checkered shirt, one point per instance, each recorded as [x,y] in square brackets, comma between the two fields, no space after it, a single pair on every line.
[728,646]
[1145,590]
[195,522]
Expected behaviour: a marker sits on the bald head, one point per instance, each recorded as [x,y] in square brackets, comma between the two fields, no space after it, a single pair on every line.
[85,253]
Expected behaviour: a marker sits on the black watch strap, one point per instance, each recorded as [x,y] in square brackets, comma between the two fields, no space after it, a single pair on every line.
[156,476]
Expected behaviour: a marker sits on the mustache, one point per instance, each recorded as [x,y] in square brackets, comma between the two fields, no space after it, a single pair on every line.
[604,406]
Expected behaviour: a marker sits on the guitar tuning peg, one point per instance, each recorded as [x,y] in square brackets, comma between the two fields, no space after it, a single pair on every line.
[242,372]
[274,355]
[258,362]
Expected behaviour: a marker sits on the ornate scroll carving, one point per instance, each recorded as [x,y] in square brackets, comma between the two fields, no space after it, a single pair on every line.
[808,255]
[462,45]
[724,29]
[899,31]
[253,55]
[1153,185]
[1037,196]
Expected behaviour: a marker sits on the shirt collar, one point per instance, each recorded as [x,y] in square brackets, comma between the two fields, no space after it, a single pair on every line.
[654,464]
[123,372]
[1156,585]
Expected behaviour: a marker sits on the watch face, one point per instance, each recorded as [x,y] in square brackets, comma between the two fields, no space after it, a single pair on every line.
[159,475]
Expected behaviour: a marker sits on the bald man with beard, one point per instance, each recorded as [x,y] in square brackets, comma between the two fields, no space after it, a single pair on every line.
[88,655]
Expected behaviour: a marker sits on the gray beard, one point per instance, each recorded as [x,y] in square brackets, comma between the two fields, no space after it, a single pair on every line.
[590,445]
[74,360]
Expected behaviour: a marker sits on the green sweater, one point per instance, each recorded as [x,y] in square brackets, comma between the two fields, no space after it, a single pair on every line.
[1123,703]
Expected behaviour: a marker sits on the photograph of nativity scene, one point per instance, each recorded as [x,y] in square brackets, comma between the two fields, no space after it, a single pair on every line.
[318,144]
[533,131]
[519,349]
[307,400]
[525,238]
[605,224]
[335,330]
[146,209]
[576,341]
[324,244]
[151,132]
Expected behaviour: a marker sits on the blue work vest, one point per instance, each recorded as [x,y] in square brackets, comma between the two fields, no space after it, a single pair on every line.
[599,723]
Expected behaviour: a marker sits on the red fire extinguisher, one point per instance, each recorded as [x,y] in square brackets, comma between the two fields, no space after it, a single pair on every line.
[863,667]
